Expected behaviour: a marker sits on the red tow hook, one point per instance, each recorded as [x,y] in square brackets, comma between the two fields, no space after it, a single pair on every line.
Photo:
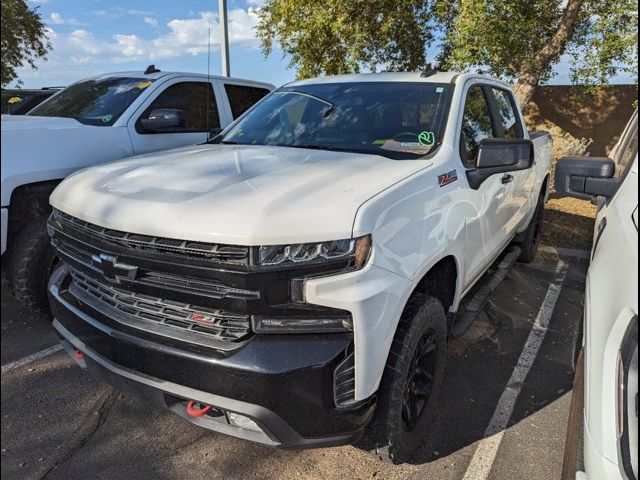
[78,354]
[196,409]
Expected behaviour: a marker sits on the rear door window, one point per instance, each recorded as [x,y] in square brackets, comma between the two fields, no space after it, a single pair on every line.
[507,113]
[195,99]
[242,97]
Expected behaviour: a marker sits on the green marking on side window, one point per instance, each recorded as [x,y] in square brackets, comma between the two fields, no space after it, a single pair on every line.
[439,89]
[107,118]
[426,138]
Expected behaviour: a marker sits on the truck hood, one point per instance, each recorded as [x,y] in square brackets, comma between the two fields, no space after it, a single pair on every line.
[233,194]
[27,122]
[36,149]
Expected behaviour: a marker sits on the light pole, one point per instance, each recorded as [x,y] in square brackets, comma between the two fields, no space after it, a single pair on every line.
[224,41]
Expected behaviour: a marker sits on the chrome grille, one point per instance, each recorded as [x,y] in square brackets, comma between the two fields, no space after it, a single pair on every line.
[231,254]
[178,320]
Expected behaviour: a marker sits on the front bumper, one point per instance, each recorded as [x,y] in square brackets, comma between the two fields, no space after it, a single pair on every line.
[284,383]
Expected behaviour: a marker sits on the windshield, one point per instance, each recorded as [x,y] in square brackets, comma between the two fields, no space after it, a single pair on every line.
[394,119]
[94,102]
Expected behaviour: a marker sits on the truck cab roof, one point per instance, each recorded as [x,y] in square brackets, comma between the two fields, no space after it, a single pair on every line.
[438,77]
[170,75]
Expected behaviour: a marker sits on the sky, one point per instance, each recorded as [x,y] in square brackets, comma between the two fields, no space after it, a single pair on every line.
[91,37]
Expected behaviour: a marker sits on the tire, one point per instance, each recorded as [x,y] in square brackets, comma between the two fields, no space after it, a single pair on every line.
[529,240]
[31,259]
[393,435]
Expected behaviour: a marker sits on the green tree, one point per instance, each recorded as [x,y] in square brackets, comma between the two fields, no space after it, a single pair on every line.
[518,41]
[343,36]
[23,38]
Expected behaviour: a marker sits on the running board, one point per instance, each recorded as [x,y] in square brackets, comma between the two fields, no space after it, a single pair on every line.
[481,297]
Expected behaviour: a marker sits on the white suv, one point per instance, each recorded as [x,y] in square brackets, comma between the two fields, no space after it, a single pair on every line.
[602,440]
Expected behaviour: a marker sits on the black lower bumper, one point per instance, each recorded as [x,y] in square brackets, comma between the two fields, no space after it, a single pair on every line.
[283,383]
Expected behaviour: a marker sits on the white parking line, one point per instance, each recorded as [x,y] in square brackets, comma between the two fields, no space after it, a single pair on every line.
[31,358]
[485,454]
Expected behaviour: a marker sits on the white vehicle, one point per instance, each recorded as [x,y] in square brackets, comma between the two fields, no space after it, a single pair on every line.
[97,120]
[602,439]
[296,280]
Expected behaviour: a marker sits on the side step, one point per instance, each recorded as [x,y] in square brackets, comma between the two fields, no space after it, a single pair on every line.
[481,297]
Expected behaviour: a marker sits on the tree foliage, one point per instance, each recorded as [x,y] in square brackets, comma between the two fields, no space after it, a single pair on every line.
[518,41]
[23,38]
[337,36]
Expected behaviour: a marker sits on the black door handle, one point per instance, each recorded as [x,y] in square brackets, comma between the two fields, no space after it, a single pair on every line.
[507,178]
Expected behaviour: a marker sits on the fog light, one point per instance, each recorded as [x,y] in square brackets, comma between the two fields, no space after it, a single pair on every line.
[243,422]
[302,325]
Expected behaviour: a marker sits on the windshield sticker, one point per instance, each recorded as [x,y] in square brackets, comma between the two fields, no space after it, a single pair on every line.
[107,118]
[439,89]
[15,100]
[379,142]
[426,138]
[143,85]
[447,178]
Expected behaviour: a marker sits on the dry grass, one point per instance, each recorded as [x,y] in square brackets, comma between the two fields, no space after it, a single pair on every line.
[568,223]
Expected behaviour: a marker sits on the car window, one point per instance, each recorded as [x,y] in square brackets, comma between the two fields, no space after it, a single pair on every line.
[98,102]
[398,120]
[628,149]
[241,97]
[476,125]
[508,116]
[195,99]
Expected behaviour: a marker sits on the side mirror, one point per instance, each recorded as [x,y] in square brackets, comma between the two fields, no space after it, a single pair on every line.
[586,177]
[163,120]
[499,155]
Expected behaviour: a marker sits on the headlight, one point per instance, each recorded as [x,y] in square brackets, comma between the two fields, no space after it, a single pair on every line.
[356,249]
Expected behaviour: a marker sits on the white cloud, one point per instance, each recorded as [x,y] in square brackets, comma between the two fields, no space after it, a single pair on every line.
[78,50]
[117,12]
[151,21]
[56,18]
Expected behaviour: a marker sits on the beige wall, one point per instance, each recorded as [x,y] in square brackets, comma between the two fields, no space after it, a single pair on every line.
[600,116]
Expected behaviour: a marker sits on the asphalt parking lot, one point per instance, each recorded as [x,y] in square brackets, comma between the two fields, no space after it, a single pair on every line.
[502,413]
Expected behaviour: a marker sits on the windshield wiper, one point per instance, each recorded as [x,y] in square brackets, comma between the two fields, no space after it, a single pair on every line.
[330,148]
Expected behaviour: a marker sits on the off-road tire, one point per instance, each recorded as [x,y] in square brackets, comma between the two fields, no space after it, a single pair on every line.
[387,436]
[30,261]
[529,240]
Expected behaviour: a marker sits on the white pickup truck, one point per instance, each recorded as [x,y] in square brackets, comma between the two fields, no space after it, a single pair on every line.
[294,282]
[97,120]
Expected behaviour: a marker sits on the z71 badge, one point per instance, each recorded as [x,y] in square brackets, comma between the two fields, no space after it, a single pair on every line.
[447,178]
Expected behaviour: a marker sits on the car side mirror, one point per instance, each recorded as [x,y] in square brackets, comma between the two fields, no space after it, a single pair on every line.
[586,177]
[163,120]
[499,155]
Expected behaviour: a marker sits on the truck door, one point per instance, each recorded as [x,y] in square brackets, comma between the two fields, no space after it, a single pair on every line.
[487,230]
[521,197]
[197,101]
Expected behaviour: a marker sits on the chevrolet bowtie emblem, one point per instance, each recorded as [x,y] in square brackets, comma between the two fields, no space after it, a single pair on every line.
[112,269]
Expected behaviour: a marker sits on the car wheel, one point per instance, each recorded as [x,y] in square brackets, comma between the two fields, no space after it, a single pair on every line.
[529,240]
[411,382]
[31,260]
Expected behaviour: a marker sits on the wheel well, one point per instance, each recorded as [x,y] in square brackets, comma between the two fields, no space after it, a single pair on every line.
[441,281]
[29,202]
[544,190]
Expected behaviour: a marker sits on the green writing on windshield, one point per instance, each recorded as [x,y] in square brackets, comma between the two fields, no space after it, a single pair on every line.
[426,138]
